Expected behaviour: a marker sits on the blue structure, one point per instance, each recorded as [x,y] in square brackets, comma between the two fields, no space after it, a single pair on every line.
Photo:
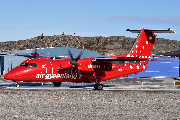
[163,68]
[1,64]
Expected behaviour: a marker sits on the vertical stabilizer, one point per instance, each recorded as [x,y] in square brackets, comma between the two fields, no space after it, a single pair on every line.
[145,41]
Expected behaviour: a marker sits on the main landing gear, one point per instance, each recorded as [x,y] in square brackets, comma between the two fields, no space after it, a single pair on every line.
[97,86]
[57,84]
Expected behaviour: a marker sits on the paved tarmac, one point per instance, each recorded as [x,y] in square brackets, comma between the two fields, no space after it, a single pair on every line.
[121,99]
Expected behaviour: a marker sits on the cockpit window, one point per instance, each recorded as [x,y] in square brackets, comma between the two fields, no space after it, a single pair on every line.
[32,65]
[24,64]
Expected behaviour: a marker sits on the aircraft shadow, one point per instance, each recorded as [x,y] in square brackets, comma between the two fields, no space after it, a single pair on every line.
[23,85]
[88,86]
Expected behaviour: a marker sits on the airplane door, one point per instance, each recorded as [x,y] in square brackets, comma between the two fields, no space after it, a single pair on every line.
[49,68]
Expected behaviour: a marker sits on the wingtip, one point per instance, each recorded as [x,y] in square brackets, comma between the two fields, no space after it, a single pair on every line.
[172,31]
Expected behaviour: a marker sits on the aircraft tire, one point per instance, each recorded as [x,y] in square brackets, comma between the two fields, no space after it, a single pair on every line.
[17,85]
[98,86]
[57,84]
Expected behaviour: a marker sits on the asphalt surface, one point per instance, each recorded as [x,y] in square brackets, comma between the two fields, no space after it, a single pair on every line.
[121,99]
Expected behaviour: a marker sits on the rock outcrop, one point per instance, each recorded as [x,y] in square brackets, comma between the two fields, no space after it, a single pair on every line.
[112,45]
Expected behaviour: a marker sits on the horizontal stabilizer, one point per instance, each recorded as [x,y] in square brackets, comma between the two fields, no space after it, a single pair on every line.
[154,31]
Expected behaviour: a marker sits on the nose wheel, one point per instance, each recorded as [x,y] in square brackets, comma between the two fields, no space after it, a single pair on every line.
[17,85]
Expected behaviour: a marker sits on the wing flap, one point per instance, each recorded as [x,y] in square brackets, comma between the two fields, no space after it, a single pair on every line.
[119,59]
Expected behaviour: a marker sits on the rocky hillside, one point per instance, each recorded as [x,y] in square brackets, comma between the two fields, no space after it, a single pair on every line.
[112,45]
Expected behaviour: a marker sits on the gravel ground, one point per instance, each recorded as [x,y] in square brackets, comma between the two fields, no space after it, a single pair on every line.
[88,104]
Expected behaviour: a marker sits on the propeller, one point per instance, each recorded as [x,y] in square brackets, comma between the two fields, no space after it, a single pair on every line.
[35,54]
[74,62]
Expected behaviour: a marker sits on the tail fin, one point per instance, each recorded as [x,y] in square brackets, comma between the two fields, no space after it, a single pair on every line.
[145,41]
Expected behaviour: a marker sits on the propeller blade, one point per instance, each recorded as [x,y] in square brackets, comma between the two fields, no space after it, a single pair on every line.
[78,56]
[68,70]
[35,53]
[79,74]
[70,54]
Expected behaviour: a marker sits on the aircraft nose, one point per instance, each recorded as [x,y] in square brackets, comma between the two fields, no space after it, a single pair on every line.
[10,75]
[7,76]
[13,74]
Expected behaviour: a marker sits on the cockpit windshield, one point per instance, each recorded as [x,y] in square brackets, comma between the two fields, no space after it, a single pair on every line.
[29,64]
[32,65]
[24,64]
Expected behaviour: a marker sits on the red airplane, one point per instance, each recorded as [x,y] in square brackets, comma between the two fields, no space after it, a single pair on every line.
[57,70]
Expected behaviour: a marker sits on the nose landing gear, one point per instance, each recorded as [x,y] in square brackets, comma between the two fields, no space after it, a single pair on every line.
[17,84]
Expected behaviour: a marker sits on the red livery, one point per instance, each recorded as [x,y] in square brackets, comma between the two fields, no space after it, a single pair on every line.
[57,70]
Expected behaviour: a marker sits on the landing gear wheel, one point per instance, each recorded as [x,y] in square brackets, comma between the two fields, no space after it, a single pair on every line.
[57,84]
[98,86]
[17,85]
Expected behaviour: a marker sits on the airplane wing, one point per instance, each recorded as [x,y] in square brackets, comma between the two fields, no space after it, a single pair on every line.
[27,55]
[119,59]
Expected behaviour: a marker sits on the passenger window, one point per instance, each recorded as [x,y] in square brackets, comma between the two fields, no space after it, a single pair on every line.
[32,65]
[24,64]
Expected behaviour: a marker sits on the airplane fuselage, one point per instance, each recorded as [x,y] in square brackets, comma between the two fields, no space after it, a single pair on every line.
[49,70]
